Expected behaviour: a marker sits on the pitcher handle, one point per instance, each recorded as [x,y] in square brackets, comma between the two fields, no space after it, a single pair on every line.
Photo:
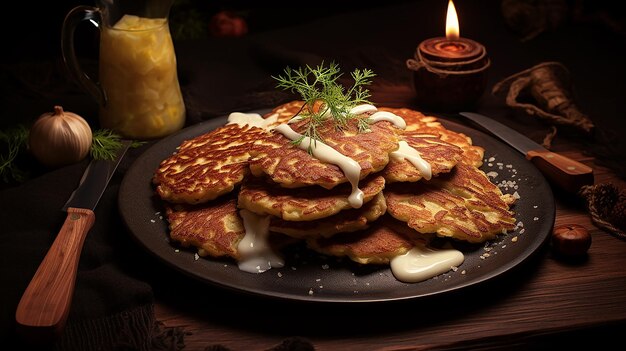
[71,21]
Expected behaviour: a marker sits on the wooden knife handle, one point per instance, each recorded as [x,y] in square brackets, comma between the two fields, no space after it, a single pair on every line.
[43,309]
[568,174]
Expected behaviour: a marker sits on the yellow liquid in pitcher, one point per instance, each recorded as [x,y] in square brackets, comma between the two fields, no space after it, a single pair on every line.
[138,73]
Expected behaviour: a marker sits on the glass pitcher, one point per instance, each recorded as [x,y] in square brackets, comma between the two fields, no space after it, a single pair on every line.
[137,86]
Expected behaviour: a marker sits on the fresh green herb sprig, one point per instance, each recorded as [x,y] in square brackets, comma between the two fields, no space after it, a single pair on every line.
[14,140]
[320,85]
[105,144]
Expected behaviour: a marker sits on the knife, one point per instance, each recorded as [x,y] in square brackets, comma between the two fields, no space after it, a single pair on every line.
[568,174]
[45,304]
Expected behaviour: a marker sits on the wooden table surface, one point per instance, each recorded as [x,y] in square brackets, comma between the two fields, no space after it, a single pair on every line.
[546,301]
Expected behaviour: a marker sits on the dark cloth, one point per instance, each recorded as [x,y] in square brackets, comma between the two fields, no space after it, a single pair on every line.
[117,281]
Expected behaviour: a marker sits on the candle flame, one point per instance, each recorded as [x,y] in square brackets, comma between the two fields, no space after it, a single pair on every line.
[452,22]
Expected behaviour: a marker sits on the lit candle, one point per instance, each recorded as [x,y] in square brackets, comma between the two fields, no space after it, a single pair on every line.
[449,72]
[452,47]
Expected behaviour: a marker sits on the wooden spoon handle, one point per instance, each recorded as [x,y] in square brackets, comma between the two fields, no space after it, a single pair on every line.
[45,304]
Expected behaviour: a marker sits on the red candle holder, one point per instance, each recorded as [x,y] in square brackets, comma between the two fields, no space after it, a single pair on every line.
[449,74]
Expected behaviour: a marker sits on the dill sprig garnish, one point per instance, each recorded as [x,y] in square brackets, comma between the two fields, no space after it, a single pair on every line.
[324,97]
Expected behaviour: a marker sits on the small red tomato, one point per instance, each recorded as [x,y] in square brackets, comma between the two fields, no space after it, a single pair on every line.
[227,24]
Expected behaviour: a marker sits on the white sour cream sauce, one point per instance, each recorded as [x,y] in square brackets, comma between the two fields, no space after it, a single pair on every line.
[257,256]
[253,119]
[405,151]
[422,263]
[325,153]
[389,117]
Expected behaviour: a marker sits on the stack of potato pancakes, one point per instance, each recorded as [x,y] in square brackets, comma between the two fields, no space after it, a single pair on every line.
[244,190]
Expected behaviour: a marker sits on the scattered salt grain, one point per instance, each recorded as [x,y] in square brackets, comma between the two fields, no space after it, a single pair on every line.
[535,218]
[514,239]
[152,220]
[492,174]
[491,159]
[177,250]
[463,271]
[279,274]
[318,280]
[196,256]
[535,206]
[454,268]
[325,266]
[311,291]
[522,231]
[516,195]
[293,268]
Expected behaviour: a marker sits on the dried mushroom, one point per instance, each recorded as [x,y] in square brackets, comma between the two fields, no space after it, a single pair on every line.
[549,85]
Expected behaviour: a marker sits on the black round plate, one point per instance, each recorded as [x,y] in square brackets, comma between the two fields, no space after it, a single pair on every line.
[309,276]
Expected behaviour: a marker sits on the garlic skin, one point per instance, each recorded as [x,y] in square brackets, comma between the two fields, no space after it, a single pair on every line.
[60,138]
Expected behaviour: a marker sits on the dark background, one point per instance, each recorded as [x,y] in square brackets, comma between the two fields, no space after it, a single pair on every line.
[588,37]
[32,31]
[221,74]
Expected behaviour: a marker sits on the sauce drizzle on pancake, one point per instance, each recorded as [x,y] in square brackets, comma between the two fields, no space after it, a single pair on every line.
[364,108]
[405,151]
[257,255]
[253,119]
[389,117]
[325,153]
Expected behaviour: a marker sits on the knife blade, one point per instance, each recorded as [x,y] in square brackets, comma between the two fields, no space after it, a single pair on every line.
[566,173]
[45,304]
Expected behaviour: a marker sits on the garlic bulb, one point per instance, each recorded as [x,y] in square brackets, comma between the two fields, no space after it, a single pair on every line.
[59,138]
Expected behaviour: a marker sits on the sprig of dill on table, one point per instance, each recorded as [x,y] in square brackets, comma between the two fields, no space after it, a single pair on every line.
[319,86]
[15,139]
[105,143]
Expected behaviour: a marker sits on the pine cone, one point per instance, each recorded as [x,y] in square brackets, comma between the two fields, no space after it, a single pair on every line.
[607,206]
